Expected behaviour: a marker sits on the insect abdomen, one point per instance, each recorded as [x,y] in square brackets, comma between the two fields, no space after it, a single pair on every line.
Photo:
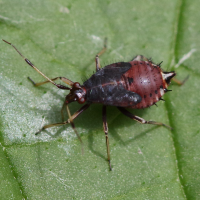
[145,79]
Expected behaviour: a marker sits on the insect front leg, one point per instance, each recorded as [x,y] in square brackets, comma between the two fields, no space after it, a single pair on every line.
[62,111]
[73,126]
[74,116]
[139,119]
[105,128]
[98,66]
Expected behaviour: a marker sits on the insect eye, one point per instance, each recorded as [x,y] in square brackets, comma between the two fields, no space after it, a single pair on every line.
[81,100]
[77,85]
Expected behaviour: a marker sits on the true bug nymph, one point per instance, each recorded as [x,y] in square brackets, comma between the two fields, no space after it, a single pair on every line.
[136,84]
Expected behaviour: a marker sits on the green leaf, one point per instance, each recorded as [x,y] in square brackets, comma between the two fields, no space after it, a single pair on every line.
[62,38]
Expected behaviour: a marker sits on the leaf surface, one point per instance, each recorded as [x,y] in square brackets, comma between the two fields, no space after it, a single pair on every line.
[62,38]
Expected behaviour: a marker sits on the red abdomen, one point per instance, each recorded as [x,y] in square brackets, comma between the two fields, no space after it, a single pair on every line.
[145,79]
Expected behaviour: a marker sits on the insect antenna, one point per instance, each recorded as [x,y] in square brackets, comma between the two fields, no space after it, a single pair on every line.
[73,126]
[36,69]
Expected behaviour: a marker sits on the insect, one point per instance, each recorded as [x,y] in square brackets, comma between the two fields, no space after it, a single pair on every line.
[136,84]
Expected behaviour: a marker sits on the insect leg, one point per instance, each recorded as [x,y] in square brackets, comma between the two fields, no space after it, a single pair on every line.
[65,80]
[180,82]
[98,66]
[105,127]
[36,69]
[62,111]
[139,119]
[74,116]
[73,126]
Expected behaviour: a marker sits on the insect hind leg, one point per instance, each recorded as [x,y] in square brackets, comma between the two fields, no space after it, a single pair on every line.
[180,82]
[139,119]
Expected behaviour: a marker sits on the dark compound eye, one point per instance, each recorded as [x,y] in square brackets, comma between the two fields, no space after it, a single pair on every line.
[81,100]
[77,85]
